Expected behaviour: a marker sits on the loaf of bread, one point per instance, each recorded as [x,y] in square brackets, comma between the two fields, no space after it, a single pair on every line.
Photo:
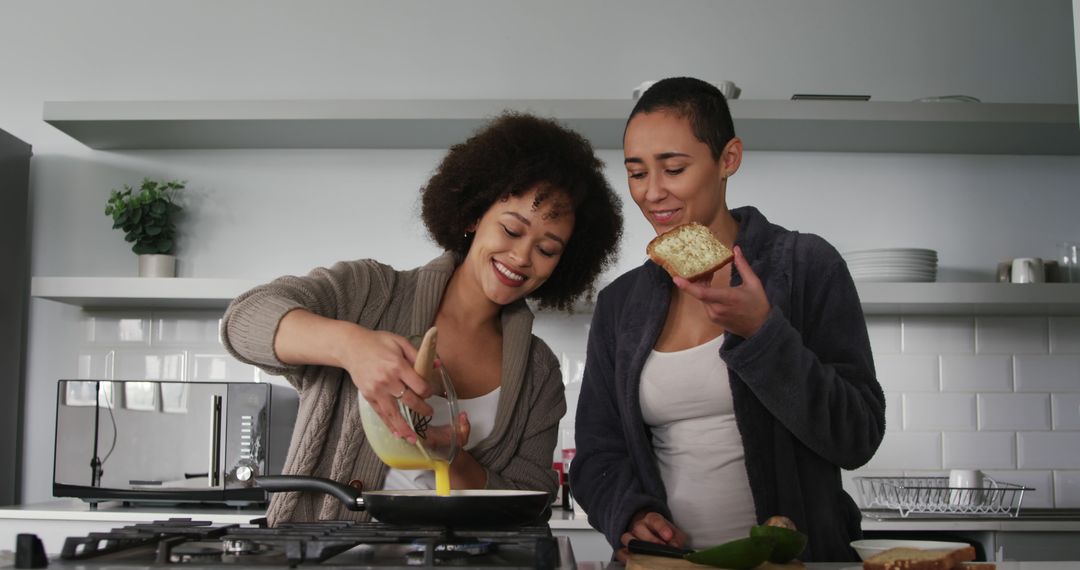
[904,558]
[689,251]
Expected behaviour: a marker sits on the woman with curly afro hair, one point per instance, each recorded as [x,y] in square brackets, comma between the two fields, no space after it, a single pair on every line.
[523,211]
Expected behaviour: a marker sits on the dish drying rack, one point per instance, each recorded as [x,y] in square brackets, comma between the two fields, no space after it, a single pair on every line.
[934,495]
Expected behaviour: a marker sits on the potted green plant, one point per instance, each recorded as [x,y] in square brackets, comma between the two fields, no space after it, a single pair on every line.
[147,216]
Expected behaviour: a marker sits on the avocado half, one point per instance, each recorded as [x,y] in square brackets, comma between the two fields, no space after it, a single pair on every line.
[787,543]
[741,554]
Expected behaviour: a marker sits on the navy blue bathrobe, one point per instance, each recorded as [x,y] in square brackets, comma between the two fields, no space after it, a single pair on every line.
[807,400]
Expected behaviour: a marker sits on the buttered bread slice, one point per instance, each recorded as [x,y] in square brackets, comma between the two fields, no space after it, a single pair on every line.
[689,251]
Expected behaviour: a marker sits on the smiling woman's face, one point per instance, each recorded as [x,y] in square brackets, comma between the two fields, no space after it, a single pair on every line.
[672,175]
[518,245]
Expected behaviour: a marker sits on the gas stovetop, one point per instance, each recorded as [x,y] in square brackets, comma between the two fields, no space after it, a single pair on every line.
[188,544]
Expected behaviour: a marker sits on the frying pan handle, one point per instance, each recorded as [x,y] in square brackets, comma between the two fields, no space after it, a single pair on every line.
[642,547]
[350,497]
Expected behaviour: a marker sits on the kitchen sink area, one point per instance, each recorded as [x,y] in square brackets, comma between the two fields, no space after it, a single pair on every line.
[1038,514]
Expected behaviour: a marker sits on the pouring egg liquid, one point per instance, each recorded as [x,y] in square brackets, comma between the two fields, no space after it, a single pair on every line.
[441,468]
[437,436]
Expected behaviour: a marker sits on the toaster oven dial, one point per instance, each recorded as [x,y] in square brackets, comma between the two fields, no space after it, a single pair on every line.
[244,473]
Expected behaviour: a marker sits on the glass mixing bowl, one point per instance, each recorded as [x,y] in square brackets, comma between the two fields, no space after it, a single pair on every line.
[437,436]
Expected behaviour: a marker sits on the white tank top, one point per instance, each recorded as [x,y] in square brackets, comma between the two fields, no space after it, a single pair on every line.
[481,412]
[686,400]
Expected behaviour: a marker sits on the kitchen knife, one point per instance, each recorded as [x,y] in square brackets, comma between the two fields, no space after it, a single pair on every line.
[653,549]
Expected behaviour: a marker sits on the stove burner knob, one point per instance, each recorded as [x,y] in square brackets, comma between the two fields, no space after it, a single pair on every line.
[244,473]
[238,546]
[29,552]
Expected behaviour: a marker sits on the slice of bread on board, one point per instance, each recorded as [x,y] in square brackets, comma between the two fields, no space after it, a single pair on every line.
[903,558]
[689,251]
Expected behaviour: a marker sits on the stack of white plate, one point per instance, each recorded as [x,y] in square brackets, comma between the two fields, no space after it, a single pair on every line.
[893,265]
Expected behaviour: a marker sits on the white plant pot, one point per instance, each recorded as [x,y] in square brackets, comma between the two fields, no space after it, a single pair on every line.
[157,265]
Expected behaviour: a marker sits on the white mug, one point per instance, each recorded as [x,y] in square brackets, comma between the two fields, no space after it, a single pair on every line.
[728,88]
[1028,270]
[1069,261]
[641,88]
[965,487]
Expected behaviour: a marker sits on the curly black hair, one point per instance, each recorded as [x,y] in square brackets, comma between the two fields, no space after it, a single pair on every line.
[513,154]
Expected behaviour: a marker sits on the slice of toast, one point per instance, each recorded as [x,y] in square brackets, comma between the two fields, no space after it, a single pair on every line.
[904,558]
[689,251]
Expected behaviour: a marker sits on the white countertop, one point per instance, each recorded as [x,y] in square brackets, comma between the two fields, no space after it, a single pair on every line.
[116,511]
[1020,524]
[1064,565]
[74,509]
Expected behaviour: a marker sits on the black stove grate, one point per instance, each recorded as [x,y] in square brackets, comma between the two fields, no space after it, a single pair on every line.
[336,543]
[140,536]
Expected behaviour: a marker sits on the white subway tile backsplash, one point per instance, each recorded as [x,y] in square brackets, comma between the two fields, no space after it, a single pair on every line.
[82,394]
[261,376]
[1041,481]
[976,373]
[939,412]
[884,333]
[141,396]
[907,450]
[1014,412]
[96,364]
[979,450]
[908,373]
[209,367]
[894,411]
[1049,450]
[949,386]
[1047,373]
[186,329]
[1066,489]
[150,365]
[116,328]
[938,335]
[1065,335]
[1011,335]
[1066,411]
[572,365]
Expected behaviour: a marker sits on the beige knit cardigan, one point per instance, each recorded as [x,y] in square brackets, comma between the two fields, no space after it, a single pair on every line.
[328,440]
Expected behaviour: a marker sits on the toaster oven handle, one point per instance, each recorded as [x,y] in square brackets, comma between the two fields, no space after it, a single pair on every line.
[215,441]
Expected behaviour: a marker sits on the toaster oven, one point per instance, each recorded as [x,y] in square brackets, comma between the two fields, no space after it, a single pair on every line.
[153,441]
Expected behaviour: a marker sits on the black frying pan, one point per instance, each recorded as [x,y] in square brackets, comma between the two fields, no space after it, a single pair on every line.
[469,508]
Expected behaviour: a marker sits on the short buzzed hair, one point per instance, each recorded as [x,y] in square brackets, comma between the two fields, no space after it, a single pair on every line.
[701,102]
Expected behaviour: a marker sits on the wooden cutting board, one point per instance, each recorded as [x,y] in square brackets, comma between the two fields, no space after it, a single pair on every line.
[646,562]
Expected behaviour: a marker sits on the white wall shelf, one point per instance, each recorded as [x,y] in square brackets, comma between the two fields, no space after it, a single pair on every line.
[970,298]
[847,126]
[877,298]
[140,292]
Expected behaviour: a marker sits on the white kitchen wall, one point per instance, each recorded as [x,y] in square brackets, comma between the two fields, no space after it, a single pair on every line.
[258,214]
